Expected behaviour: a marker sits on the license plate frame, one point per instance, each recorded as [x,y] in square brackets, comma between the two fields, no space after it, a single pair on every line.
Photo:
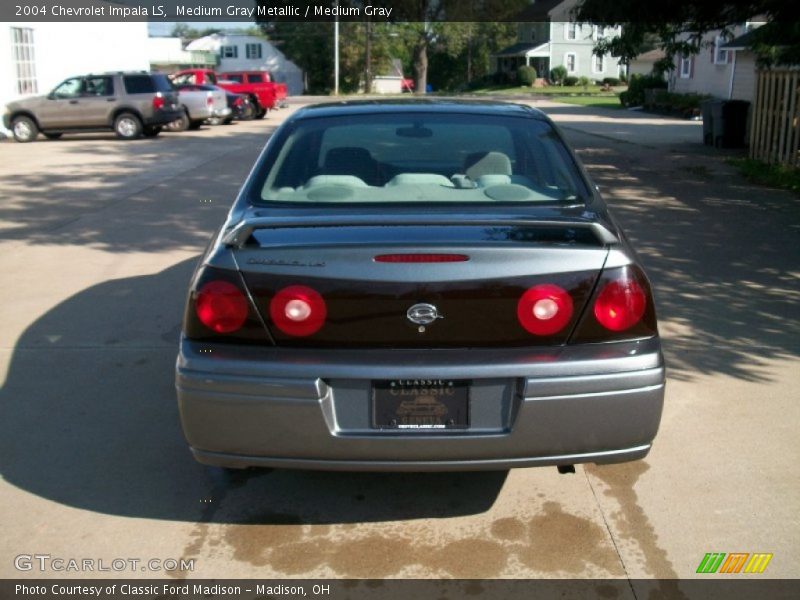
[420,405]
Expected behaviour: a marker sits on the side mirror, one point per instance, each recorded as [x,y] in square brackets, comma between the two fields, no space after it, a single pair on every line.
[51,95]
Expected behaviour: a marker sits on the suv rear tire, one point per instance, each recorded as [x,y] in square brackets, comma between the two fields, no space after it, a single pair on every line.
[24,129]
[127,126]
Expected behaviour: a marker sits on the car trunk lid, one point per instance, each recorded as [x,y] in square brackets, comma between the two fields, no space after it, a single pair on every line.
[378,282]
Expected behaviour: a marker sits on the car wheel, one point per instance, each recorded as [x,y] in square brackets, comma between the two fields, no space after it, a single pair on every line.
[246,113]
[181,123]
[151,131]
[53,136]
[261,112]
[127,126]
[227,120]
[195,124]
[24,129]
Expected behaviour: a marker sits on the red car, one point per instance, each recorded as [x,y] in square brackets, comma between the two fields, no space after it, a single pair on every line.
[263,95]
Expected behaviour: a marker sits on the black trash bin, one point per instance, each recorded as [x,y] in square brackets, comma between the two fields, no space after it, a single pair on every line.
[708,121]
[729,123]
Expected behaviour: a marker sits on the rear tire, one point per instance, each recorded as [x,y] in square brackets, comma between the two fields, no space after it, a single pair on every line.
[193,125]
[127,126]
[24,129]
[247,113]
[53,136]
[181,123]
[151,131]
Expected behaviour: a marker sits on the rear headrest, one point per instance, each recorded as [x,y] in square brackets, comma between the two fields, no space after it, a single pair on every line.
[487,163]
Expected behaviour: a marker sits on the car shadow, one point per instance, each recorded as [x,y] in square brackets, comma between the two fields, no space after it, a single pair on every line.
[88,418]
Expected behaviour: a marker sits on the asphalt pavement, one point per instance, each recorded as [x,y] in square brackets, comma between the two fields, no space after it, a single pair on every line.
[98,239]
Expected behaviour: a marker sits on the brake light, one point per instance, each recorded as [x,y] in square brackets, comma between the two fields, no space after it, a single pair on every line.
[221,306]
[544,309]
[209,99]
[298,310]
[158,101]
[420,258]
[620,304]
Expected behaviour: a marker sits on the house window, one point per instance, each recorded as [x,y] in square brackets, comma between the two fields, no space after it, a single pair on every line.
[572,31]
[720,55]
[24,60]
[599,64]
[229,51]
[253,50]
[599,32]
[686,67]
[571,62]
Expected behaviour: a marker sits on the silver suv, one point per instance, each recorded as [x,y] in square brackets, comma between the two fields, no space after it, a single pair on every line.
[130,104]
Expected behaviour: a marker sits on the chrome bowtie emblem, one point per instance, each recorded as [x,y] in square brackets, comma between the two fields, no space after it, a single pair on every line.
[423,314]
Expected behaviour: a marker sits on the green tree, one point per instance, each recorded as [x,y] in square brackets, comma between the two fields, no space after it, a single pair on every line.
[679,27]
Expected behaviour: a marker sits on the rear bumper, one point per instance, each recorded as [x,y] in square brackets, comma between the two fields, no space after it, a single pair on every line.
[275,407]
[221,112]
[163,117]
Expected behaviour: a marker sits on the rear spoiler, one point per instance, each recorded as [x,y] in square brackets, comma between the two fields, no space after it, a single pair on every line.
[238,236]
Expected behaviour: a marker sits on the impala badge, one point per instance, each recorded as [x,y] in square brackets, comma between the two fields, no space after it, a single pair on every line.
[423,314]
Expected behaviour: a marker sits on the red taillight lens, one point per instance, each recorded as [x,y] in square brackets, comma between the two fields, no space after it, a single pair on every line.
[544,309]
[221,306]
[620,305]
[421,258]
[209,99]
[158,101]
[298,310]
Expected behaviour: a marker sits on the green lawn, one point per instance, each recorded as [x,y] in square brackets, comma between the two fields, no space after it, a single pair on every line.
[553,90]
[606,101]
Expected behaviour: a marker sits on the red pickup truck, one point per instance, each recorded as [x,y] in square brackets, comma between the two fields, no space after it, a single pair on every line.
[258,77]
[263,95]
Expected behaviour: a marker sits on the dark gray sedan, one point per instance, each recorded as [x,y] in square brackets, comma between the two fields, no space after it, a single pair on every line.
[419,285]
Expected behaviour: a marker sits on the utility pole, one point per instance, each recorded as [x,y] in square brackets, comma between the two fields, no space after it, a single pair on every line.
[368,58]
[336,53]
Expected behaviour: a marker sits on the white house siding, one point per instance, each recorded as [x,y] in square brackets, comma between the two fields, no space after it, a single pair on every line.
[272,59]
[744,76]
[62,50]
[582,47]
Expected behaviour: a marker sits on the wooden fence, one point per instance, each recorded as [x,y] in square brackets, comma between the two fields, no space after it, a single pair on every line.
[775,121]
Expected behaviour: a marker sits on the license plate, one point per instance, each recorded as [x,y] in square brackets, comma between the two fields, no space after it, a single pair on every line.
[420,404]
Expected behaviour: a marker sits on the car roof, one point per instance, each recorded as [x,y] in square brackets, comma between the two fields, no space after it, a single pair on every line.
[419,105]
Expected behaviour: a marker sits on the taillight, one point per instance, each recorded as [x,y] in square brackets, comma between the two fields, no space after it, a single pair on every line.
[621,309]
[158,101]
[544,309]
[620,305]
[420,258]
[298,310]
[221,306]
[209,99]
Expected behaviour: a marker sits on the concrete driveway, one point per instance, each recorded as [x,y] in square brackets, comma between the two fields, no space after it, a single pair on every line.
[98,239]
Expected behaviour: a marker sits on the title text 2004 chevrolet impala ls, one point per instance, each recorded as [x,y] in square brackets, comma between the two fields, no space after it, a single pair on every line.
[419,285]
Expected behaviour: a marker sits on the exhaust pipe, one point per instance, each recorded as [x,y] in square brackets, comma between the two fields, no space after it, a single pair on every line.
[564,469]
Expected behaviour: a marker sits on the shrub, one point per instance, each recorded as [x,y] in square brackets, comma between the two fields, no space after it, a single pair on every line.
[612,81]
[558,74]
[526,75]
[570,81]
[638,84]
[584,82]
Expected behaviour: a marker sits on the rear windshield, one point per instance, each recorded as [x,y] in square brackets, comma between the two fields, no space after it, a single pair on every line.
[420,158]
[147,84]
[234,77]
